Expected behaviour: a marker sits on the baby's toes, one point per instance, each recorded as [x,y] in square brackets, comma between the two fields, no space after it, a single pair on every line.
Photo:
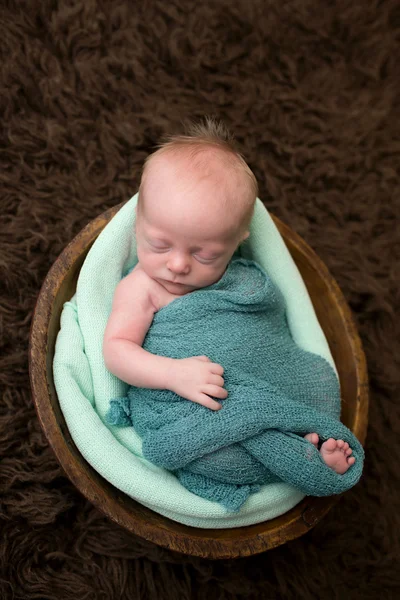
[340,444]
[345,446]
[348,452]
[313,438]
[351,461]
[330,445]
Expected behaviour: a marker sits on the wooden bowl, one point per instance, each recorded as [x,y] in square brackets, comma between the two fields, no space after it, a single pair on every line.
[336,320]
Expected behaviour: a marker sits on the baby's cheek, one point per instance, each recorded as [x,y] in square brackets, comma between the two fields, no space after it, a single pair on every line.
[212,274]
[147,257]
[153,261]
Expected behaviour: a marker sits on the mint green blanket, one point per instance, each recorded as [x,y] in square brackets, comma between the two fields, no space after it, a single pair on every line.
[277,394]
[84,386]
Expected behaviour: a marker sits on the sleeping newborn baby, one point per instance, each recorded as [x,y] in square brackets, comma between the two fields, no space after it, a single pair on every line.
[196,201]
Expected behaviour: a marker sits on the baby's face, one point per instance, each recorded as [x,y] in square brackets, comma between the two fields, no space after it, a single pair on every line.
[184,239]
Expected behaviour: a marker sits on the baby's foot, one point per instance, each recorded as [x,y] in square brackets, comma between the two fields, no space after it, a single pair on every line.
[313,438]
[336,454]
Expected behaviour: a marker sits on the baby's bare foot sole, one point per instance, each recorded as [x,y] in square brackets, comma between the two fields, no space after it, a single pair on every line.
[336,454]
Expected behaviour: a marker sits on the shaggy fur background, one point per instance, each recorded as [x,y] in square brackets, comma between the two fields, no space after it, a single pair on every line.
[311,90]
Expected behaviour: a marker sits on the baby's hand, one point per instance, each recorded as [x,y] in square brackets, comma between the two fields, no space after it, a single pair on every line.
[197,378]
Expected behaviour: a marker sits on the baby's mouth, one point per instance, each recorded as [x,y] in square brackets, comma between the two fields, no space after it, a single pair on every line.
[173,281]
[176,283]
[170,281]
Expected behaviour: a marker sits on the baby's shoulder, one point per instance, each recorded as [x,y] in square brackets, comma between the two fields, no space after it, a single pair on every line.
[136,276]
[134,287]
[139,284]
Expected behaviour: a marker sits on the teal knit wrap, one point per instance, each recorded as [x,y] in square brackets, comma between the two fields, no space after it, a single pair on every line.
[277,394]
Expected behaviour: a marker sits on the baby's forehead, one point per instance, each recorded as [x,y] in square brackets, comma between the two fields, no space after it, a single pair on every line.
[214,180]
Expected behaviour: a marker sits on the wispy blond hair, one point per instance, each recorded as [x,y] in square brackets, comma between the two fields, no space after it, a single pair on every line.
[200,136]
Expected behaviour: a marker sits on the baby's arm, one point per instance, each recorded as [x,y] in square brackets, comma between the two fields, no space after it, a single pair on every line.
[131,316]
[195,378]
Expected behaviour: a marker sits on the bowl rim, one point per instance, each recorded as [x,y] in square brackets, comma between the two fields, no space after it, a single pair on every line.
[207,543]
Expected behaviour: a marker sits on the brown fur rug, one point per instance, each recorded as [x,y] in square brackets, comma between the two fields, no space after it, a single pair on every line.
[311,90]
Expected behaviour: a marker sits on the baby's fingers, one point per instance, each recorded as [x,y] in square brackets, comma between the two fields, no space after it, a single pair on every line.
[208,402]
[216,380]
[217,369]
[214,390]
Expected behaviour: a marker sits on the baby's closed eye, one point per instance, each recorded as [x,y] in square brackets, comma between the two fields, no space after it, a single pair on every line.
[157,247]
[206,259]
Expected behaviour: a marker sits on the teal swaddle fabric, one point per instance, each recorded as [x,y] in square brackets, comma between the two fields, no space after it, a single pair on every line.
[278,392]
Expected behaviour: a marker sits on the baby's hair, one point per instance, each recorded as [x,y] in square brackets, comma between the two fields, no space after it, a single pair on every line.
[202,135]
[207,131]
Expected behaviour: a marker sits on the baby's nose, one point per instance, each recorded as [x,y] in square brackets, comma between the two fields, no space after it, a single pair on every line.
[179,264]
